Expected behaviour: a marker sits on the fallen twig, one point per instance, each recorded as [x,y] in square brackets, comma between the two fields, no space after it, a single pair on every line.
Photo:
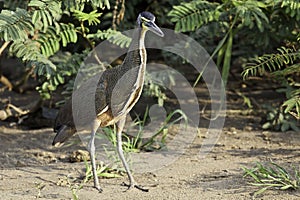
[13,111]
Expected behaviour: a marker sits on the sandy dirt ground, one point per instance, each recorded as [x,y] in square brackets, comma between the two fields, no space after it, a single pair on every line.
[31,168]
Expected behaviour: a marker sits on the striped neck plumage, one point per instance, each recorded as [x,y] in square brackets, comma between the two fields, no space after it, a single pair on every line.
[142,50]
[136,55]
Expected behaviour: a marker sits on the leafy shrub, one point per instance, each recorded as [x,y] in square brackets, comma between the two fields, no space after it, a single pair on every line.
[285,68]
[40,32]
[237,28]
[53,37]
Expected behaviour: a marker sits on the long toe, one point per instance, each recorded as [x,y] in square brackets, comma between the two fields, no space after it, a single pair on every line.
[98,188]
[135,185]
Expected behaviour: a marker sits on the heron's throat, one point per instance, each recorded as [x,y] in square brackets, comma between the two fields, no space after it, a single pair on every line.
[135,62]
[142,50]
[137,56]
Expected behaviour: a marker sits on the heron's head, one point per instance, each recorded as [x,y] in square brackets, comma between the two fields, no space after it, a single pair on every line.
[146,20]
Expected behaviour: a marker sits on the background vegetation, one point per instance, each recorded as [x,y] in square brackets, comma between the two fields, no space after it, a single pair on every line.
[51,38]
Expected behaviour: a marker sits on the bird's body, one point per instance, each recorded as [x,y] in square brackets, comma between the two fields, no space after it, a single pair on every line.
[117,90]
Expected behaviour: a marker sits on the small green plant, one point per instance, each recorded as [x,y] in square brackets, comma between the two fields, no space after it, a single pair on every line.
[272,176]
[283,66]
[137,142]
[39,187]
[156,83]
[40,31]
[102,171]
[224,19]
[160,136]
[72,183]
[236,28]
[279,121]
[74,189]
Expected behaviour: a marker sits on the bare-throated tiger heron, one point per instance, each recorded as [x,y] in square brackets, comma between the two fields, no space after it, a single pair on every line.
[110,111]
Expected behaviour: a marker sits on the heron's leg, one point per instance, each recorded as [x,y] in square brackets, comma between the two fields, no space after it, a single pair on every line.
[132,183]
[92,149]
[120,126]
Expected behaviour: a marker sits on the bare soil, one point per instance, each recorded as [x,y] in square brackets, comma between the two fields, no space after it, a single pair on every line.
[31,168]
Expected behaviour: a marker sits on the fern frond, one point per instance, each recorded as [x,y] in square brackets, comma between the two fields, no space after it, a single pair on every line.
[67,33]
[26,50]
[293,69]
[101,3]
[67,65]
[72,5]
[49,43]
[29,51]
[292,8]
[50,40]
[115,37]
[45,12]
[189,16]
[119,39]
[13,4]
[292,105]
[250,13]
[91,17]
[272,62]
[15,25]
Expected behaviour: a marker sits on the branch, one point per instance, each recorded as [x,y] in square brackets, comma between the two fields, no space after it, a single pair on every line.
[3,79]
[6,82]
[14,111]
[5,44]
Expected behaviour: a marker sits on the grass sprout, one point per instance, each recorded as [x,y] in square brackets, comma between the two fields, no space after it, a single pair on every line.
[102,171]
[272,176]
[138,142]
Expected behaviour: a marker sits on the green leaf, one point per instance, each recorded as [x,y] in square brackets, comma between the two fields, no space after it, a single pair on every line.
[91,17]
[109,175]
[286,187]
[284,127]
[266,125]
[15,25]
[189,16]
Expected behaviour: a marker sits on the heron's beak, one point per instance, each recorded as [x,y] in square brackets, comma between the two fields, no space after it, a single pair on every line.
[154,28]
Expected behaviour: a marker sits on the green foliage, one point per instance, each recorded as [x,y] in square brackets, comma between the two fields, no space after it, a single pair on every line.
[230,17]
[156,83]
[246,26]
[67,65]
[72,5]
[272,176]
[37,33]
[189,16]
[257,23]
[279,120]
[139,142]
[273,62]
[160,136]
[292,8]
[102,171]
[15,25]
[115,37]
[45,13]
[291,103]
[284,67]
[91,17]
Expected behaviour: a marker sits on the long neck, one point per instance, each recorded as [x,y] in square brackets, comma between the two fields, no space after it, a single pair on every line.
[136,55]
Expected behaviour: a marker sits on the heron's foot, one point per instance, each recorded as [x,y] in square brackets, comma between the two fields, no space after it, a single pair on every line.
[134,185]
[98,188]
